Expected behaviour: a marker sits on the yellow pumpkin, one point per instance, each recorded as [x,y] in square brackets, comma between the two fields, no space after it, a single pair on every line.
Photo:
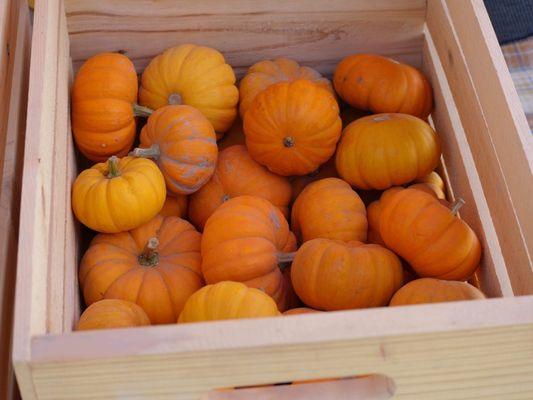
[112,313]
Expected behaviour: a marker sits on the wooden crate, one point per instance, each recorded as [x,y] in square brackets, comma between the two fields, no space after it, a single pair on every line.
[464,350]
[14,71]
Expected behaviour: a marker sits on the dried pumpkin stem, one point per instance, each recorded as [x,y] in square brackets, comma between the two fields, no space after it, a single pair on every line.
[456,206]
[175,99]
[288,141]
[286,257]
[150,152]
[141,111]
[149,257]
[112,167]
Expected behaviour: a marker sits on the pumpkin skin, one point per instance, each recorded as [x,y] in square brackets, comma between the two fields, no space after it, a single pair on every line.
[244,240]
[194,75]
[332,275]
[429,236]
[326,170]
[292,127]
[430,290]
[268,72]
[435,182]
[112,313]
[382,85]
[300,310]
[175,206]
[119,195]
[183,143]
[103,95]
[158,275]
[227,300]
[237,174]
[384,150]
[329,209]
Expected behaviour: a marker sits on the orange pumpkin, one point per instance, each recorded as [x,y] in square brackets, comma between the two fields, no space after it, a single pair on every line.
[430,290]
[234,136]
[245,240]
[194,75]
[333,275]
[292,127]
[382,85]
[227,300]
[300,310]
[329,209]
[237,174]
[118,195]
[380,151]
[112,313]
[429,236]
[183,143]
[435,182]
[156,266]
[175,206]
[265,73]
[103,102]
[326,170]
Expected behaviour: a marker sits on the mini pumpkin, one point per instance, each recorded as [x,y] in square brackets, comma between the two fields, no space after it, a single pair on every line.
[237,174]
[383,85]
[103,106]
[300,310]
[428,235]
[119,195]
[384,150]
[157,266]
[175,206]
[194,75]
[245,240]
[292,127]
[326,170]
[330,209]
[435,182]
[183,143]
[332,275]
[430,290]
[268,72]
[228,300]
[112,313]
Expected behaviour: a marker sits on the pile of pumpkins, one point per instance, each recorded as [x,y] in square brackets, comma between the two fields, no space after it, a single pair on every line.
[269,220]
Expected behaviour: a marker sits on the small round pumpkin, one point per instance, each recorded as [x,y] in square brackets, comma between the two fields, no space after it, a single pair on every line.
[300,310]
[330,209]
[175,206]
[332,275]
[245,240]
[382,85]
[326,170]
[435,182]
[430,290]
[194,75]
[384,150]
[119,195]
[183,143]
[112,313]
[268,72]
[428,235]
[237,174]
[157,266]
[292,127]
[228,300]
[103,101]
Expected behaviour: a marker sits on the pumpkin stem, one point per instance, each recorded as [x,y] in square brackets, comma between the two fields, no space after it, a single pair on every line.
[112,167]
[175,99]
[150,152]
[288,141]
[141,111]
[285,257]
[456,206]
[150,257]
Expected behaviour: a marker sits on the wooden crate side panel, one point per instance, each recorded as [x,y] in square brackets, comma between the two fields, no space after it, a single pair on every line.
[316,33]
[495,187]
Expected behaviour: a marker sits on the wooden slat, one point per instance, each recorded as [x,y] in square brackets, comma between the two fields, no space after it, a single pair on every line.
[316,33]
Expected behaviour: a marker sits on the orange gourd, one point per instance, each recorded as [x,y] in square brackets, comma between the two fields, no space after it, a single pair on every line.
[292,127]
[268,72]
[197,76]
[382,85]
[435,182]
[430,290]
[332,275]
[227,300]
[119,195]
[428,235]
[300,310]
[103,106]
[245,240]
[175,206]
[157,266]
[380,151]
[326,170]
[330,209]
[112,313]
[237,174]
[183,143]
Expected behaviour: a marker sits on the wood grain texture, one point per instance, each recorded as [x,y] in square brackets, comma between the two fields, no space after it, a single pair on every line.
[315,33]
[476,127]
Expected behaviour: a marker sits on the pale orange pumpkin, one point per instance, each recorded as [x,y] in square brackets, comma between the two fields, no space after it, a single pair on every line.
[292,127]
[175,206]
[435,182]
[112,313]
[156,266]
